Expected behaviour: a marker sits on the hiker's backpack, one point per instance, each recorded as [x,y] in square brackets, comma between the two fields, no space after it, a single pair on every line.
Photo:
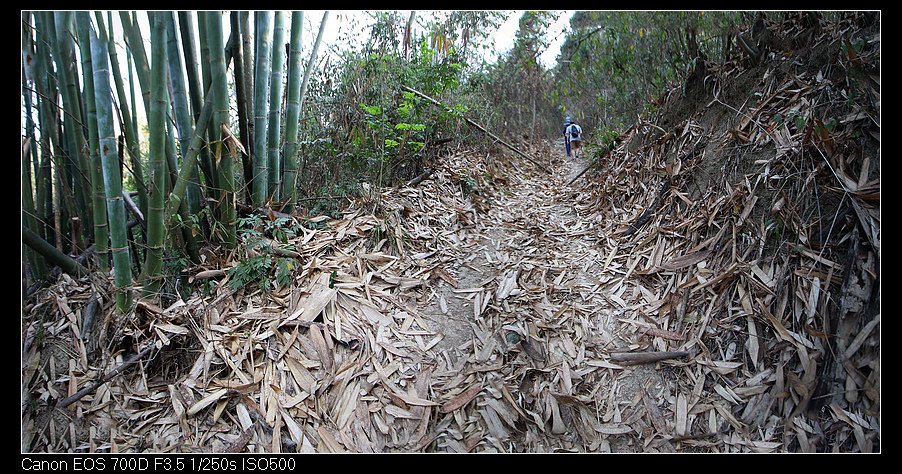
[575,130]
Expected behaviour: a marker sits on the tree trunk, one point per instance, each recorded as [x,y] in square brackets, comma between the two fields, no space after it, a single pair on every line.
[532,128]
[407,33]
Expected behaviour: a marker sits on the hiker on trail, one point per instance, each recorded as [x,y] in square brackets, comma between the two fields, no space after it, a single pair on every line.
[573,135]
[566,141]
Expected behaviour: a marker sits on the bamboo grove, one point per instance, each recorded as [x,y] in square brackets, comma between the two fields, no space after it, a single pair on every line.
[221,101]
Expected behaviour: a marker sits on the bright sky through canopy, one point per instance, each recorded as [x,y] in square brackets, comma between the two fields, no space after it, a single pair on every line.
[341,20]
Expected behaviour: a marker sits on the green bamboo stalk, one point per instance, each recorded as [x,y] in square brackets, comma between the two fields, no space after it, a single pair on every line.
[182,237]
[35,260]
[41,182]
[293,114]
[133,103]
[79,167]
[171,161]
[36,165]
[151,277]
[49,128]
[183,118]
[135,43]
[59,207]
[63,199]
[101,228]
[29,218]
[205,59]
[172,165]
[247,50]
[28,212]
[54,256]
[43,178]
[128,118]
[70,190]
[64,56]
[261,91]
[28,57]
[30,205]
[55,207]
[44,185]
[186,21]
[179,101]
[133,241]
[202,113]
[240,96]
[197,142]
[275,106]
[67,68]
[202,34]
[112,179]
[224,154]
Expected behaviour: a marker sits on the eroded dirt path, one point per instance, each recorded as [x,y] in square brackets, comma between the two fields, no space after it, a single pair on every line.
[529,318]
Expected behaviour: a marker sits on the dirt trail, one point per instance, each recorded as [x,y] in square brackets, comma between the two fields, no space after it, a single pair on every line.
[492,244]
[566,266]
